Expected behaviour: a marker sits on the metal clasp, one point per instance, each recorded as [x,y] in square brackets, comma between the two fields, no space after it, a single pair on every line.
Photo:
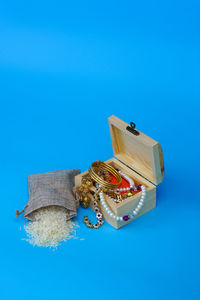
[132,129]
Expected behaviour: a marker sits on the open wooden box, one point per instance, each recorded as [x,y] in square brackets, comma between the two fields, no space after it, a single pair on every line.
[141,158]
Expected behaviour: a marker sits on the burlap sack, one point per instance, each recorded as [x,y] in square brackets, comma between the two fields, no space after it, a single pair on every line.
[52,188]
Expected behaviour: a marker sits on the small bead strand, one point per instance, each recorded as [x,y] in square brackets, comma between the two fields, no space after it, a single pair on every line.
[131,187]
[126,217]
[130,181]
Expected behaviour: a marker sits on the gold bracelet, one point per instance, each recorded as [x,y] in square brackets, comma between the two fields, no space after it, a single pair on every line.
[103,166]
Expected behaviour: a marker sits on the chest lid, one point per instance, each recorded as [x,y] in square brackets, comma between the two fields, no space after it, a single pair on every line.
[139,152]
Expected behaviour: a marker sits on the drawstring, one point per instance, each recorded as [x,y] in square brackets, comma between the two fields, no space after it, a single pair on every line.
[18,213]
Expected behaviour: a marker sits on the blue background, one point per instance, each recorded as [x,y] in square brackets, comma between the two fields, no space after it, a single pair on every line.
[65,67]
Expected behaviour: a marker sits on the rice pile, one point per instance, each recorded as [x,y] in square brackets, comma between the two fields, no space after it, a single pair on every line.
[50,227]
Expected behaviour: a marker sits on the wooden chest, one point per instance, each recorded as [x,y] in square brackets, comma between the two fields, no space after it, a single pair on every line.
[141,158]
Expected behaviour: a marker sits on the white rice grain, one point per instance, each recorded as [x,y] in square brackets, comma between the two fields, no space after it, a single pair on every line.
[50,227]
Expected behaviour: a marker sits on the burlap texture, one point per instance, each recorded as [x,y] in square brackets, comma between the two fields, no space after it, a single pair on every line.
[52,188]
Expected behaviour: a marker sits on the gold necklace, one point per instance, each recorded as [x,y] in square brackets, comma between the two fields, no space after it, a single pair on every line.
[98,174]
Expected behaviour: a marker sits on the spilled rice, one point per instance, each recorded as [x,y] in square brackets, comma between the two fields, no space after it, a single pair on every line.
[50,227]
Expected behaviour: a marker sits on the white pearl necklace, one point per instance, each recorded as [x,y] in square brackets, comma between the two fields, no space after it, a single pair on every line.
[130,181]
[126,189]
[131,215]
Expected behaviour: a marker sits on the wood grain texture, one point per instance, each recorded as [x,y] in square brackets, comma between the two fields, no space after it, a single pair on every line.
[141,153]
[130,203]
[141,158]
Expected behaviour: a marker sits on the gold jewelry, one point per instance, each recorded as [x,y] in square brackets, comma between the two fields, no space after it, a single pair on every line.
[99,216]
[98,173]
[100,165]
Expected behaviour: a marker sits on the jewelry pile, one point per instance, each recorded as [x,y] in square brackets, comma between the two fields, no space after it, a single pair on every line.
[103,179]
